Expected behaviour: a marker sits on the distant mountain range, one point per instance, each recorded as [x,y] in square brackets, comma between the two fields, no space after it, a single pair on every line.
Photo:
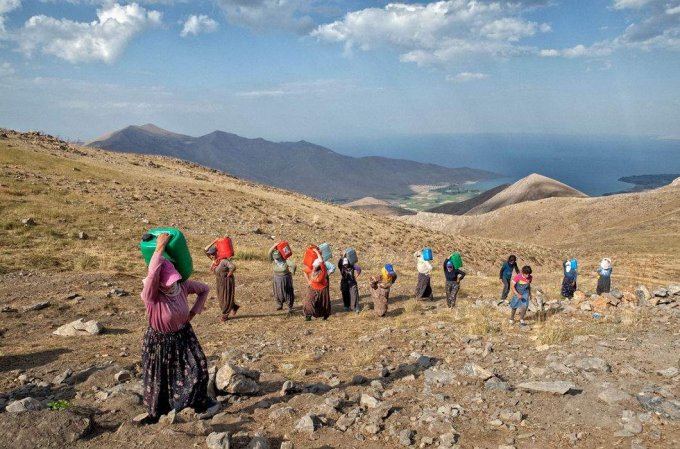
[299,166]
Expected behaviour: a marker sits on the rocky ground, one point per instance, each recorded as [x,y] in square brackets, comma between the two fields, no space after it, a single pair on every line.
[425,376]
[592,372]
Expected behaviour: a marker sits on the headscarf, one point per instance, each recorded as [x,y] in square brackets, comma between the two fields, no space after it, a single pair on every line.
[606,264]
[169,275]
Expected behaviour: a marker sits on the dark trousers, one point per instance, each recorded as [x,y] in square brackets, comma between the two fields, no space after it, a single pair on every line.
[506,288]
[451,292]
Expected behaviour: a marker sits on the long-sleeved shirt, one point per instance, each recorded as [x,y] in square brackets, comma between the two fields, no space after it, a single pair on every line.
[170,313]
[454,275]
[423,266]
[507,269]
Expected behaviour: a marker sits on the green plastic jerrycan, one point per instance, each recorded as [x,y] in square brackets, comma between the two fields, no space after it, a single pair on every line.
[456,260]
[176,251]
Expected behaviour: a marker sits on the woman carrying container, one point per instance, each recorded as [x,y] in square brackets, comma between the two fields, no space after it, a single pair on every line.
[380,292]
[224,269]
[604,276]
[174,367]
[348,284]
[423,288]
[569,281]
[317,304]
[282,281]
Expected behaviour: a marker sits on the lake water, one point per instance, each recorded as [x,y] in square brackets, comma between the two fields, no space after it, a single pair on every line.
[592,164]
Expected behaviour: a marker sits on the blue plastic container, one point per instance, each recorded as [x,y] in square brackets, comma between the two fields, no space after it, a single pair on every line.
[389,268]
[574,264]
[330,268]
[326,252]
[427,254]
[351,255]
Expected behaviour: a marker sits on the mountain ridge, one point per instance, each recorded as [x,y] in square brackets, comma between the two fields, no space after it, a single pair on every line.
[300,166]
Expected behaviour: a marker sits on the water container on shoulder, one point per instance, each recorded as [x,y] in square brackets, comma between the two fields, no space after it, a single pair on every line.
[351,256]
[225,248]
[388,273]
[427,254]
[574,264]
[456,260]
[330,268]
[176,251]
[326,252]
[284,249]
[310,257]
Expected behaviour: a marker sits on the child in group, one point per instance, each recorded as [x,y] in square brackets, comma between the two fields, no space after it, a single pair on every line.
[505,275]
[453,278]
[380,292]
[604,276]
[521,288]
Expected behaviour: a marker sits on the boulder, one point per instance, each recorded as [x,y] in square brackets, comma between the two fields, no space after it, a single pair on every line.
[368,401]
[24,405]
[642,294]
[219,440]
[674,290]
[307,424]
[592,364]
[37,306]
[613,396]
[616,293]
[667,408]
[474,370]
[556,387]
[46,428]
[660,292]
[236,380]
[406,437]
[259,441]
[79,327]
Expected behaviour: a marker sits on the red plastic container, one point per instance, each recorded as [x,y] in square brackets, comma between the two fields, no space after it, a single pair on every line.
[310,257]
[284,249]
[225,249]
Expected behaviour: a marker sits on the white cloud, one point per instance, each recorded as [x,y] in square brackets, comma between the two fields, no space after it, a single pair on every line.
[313,87]
[101,40]
[263,15]
[437,31]
[580,51]
[198,24]
[631,4]
[467,76]
[6,6]
[655,24]
[9,6]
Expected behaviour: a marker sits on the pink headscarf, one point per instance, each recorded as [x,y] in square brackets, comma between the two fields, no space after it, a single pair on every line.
[169,274]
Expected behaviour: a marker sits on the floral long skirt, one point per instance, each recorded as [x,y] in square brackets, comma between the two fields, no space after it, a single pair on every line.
[175,371]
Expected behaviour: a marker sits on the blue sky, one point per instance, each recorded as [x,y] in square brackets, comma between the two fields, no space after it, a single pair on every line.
[325,69]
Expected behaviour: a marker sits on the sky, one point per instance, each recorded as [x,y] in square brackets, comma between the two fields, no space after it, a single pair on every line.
[325,70]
